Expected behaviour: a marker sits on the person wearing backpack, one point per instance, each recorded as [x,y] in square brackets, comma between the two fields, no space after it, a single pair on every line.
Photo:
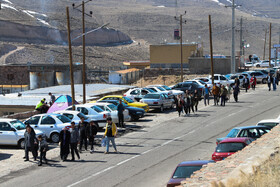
[91,133]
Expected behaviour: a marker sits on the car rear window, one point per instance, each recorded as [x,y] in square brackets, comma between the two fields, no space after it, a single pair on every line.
[166,87]
[64,119]
[185,171]
[128,100]
[160,88]
[152,96]
[81,115]
[229,147]
[112,107]
[97,109]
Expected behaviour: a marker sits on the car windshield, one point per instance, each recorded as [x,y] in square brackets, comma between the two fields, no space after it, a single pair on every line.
[63,118]
[97,109]
[229,147]
[112,107]
[160,88]
[185,171]
[202,82]
[166,87]
[233,133]
[81,115]
[150,90]
[128,100]
[18,124]
[152,96]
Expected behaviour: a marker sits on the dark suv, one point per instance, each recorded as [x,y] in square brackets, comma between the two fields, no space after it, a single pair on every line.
[191,86]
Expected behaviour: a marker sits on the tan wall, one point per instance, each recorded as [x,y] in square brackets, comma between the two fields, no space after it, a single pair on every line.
[171,53]
[15,109]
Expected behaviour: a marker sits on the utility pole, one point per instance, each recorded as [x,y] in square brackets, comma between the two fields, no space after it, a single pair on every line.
[233,39]
[70,59]
[211,50]
[269,45]
[264,46]
[181,41]
[241,38]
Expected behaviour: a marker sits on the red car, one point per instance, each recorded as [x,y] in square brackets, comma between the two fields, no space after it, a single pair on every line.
[185,170]
[229,146]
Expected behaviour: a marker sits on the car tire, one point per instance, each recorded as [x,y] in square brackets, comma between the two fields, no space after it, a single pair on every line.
[264,81]
[21,143]
[54,137]
[161,109]
[172,106]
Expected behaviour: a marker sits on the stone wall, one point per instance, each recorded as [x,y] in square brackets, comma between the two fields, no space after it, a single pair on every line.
[14,75]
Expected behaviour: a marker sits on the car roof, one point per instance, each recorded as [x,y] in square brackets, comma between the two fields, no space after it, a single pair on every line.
[237,140]
[48,114]
[6,119]
[269,121]
[251,127]
[98,103]
[195,162]
[68,111]
[120,96]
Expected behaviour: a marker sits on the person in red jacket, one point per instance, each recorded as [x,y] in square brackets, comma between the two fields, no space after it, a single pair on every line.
[253,82]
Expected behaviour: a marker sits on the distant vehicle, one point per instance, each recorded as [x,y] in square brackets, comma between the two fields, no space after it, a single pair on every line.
[260,76]
[265,63]
[191,86]
[221,80]
[49,124]
[185,170]
[269,123]
[134,112]
[126,100]
[12,132]
[138,93]
[202,83]
[248,131]
[159,89]
[93,113]
[75,116]
[158,101]
[173,92]
[249,64]
[230,146]
[239,76]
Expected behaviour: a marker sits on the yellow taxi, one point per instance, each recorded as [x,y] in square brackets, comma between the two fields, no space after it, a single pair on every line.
[128,101]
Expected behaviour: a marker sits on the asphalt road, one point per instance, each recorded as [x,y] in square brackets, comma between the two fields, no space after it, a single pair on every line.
[149,155]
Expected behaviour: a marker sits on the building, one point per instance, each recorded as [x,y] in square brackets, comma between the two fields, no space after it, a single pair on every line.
[137,64]
[169,55]
[127,76]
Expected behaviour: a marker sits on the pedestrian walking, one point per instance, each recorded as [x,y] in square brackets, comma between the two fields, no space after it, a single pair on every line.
[110,134]
[74,141]
[216,93]
[206,95]
[269,81]
[91,133]
[179,104]
[64,142]
[192,103]
[196,99]
[274,82]
[223,95]
[120,109]
[253,82]
[52,99]
[187,103]
[83,134]
[43,148]
[237,81]
[236,91]
[29,143]
[228,87]
[246,83]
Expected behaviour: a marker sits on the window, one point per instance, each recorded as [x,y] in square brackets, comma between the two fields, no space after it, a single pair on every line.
[33,120]
[47,120]
[262,131]
[64,119]
[185,171]
[156,90]
[152,96]
[216,78]
[160,88]
[223,78]
[70,116]
[135,92]
[243,133]
[5,126]
[241,77]
[144,92]
[80,115]
[97,109]
[229,147]
[253,133]
[18,125]
[83,110]
[233,133]
[128,100]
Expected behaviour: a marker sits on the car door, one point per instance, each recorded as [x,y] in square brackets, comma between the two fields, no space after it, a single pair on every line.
[223,80]
[7,134]
[33,121]
[168,100]
[47,125]
[162,100]
[83,110]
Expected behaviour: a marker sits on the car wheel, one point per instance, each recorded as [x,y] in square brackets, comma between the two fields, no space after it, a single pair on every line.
[161,108]
[264,81]
[258,66]
[172,106]
[21,143]
[55,137]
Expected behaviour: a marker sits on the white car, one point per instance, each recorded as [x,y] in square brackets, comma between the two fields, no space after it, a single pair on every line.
[92,112]
[49,124]
[12,132]
[265,63]
[74,115]
[158,101]
[159,89]
[249,64]
[112,109]
[137,93]
[167,88]
[221,80]
[269,122]
[202,83]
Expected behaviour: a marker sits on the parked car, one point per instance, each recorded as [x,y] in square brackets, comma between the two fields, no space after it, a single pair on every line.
[134,112]
[174,92]
[112,109]
[202,83]
[93,113]
[137,93]
[230,146]
[159,89]
[12,132]
[49,124]
[74,115]
[248,131]
[185,170]
[261,77]
[269,123]
[239,76]
[190,86]
[221,80]
[158,101]
[265,63]
[126,100]
[249,64]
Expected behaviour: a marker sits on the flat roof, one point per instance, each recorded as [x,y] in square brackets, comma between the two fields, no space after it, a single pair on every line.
[32,97]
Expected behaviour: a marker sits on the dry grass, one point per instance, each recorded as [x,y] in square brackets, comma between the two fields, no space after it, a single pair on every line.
[265,175]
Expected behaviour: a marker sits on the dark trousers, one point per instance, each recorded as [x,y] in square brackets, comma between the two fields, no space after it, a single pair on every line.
[269,86]
[195,105]
[235,95]
[43,156]
[216,99]
[192,108]
[121,123]
[180,110]
[253,86]
[206,98]
[187,108]
[74,150]
[31,149]
[246,86]
[223,100]
[83,139]
[91,142]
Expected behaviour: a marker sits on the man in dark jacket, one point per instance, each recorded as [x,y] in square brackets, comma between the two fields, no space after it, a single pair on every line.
[43,148]
[269,81]
[236,92]
[120,114]
[64,141]
[91,132]
[237,81]
[246,83]
[30,141]
[74,140]
[83,133]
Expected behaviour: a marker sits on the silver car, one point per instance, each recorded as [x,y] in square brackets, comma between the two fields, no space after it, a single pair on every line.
[12,132]
[158,101]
